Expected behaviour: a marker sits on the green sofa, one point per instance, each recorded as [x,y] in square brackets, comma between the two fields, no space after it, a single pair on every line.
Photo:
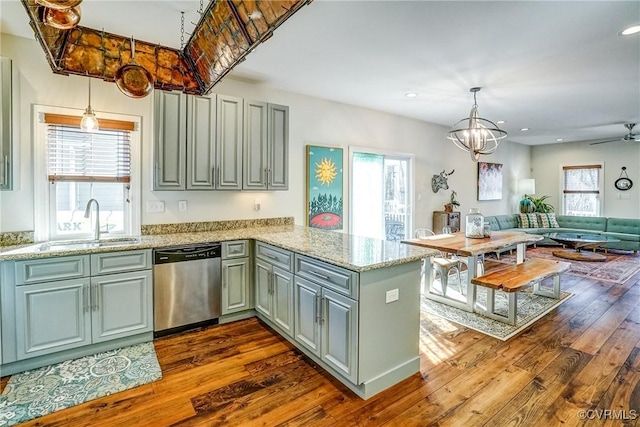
[625,229]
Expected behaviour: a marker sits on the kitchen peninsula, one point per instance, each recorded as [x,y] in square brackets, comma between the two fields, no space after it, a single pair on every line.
[348,297]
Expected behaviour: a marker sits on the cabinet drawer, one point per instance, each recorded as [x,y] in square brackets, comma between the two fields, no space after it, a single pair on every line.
[276,256]
[328,275]
[47,269]
[235,249]
[118,262]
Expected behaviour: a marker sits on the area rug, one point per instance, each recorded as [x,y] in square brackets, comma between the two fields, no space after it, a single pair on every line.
[618,267]
[41,391]
[530,308]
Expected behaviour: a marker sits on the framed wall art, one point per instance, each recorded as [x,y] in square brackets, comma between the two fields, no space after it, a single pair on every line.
[324,187]
[489,181]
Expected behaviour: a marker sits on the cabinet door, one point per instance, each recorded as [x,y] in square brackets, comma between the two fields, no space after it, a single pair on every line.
[170,140]
[235,285]
[255,146]
[263,288]
[340,333]
[121,305]
[6,133]
[282,292]
[52,317]
[307,314]
[278,168]
[201,139]
[229,143]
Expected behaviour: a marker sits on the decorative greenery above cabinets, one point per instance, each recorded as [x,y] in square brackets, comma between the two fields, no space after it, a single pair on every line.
[219,143]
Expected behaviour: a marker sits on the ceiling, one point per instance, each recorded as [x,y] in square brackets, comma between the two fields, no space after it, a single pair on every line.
[559,68]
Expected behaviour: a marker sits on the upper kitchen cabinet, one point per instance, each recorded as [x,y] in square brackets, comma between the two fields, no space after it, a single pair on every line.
[5,124]
[201,139]
[170,137]
[278,176]
[219,143]
[229,145]
[266,145]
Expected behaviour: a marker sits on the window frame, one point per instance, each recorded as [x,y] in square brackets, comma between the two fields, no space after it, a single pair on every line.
[44,227]
[599,192]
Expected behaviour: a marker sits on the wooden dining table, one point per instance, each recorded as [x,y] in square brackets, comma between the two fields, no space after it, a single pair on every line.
[470,250]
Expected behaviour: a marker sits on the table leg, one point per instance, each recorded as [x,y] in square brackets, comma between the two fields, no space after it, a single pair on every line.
[520,252]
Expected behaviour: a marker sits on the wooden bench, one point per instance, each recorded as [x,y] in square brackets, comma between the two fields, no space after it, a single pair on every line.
[513,278]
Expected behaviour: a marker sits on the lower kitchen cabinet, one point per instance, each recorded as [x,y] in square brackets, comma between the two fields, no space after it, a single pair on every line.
[68,305]
[326,323]
[61,315]
[52,316]
[235,285]
[274,295]
[121,305]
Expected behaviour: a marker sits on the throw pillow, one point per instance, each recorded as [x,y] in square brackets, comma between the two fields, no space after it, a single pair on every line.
[548,220]
[528,220]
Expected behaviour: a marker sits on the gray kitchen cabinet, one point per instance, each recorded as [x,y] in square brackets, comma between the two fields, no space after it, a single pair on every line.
[170,138]
[121,305]
[326,323]
[266,145]
[63,303]
[278,140]
[229,124]
[274,287]
[6,133]
[236,274]
[255,146]
[219,143]
[201,142]
[52,316]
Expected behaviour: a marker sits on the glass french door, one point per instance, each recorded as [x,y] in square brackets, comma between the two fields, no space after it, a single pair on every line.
[381,192]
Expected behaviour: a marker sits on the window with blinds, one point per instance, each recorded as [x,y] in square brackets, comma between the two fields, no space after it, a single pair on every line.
[75,155]
[581,190]
[83,166]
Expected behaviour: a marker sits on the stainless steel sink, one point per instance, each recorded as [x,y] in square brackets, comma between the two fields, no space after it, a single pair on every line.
[72,245]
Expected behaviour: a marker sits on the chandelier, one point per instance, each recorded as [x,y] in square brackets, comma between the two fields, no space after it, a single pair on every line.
[475,134]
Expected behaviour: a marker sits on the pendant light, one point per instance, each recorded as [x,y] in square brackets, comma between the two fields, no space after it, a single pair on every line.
[89,122]
[475,134]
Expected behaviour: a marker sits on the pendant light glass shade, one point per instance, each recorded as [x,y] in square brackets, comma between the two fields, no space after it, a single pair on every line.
[89,122]
[475,134]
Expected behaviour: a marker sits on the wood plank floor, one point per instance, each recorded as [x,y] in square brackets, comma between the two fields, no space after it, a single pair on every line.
[583,356]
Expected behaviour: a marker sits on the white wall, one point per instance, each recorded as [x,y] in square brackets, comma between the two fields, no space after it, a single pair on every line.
[547,160]
[312,121]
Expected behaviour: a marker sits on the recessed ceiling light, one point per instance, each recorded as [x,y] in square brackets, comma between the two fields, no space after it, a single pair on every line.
[501,122]
[524,129]
[559,139]
[410,94]
[634,29]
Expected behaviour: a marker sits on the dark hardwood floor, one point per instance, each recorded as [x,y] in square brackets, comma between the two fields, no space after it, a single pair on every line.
[579,365]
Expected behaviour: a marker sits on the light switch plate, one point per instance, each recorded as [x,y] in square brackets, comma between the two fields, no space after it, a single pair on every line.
[155,207]
[182,205]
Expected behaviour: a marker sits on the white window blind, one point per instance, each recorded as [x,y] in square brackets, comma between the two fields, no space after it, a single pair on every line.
[75,155]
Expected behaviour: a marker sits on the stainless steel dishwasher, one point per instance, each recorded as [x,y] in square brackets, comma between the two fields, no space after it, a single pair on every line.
[186,287]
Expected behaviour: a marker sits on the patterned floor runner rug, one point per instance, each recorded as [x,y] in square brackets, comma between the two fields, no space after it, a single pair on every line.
[530,308]
[41,391]
[619,266]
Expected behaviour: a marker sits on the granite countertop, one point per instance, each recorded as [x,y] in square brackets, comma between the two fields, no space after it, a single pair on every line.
[356,253]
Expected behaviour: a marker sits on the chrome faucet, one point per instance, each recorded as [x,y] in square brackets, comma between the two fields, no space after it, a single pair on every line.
[87,214]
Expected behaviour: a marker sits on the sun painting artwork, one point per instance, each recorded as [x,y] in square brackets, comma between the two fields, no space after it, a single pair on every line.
[326,171]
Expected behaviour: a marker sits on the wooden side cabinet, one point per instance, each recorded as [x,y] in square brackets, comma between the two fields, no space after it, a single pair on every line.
[445,219]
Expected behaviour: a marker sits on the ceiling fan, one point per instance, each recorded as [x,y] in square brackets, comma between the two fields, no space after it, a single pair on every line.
[628,137]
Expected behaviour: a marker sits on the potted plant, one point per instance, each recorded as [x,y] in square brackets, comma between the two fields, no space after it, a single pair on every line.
[453,202]
[538,204]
